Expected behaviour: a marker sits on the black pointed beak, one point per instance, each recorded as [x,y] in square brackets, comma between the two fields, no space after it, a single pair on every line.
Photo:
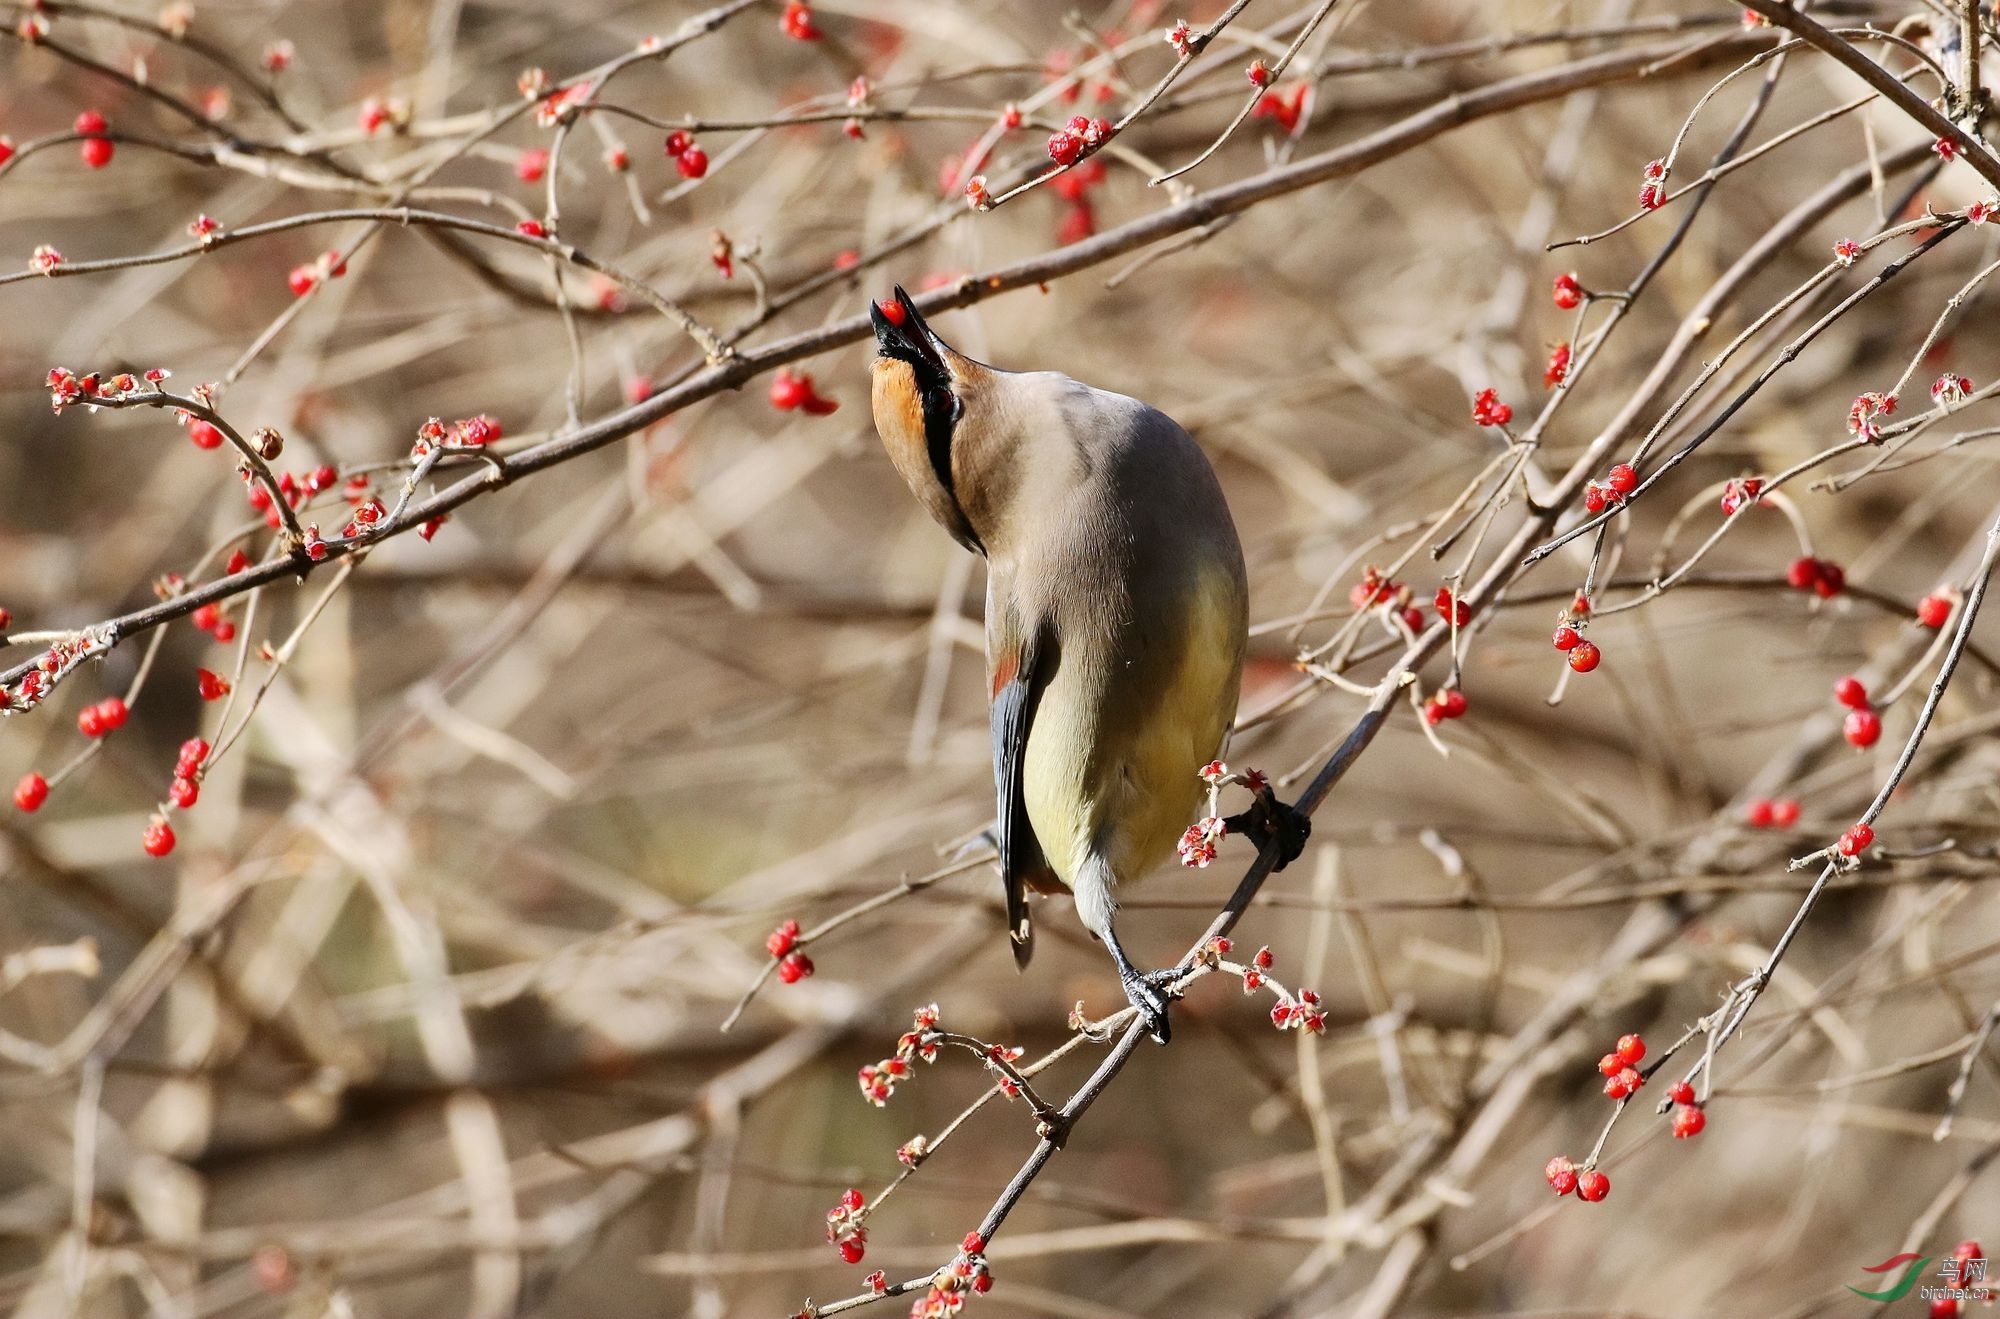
[902,333]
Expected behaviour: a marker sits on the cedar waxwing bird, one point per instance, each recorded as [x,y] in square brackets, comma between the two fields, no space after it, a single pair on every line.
[1117,614]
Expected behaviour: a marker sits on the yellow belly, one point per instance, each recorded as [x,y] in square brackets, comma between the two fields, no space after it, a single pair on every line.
[1113,762]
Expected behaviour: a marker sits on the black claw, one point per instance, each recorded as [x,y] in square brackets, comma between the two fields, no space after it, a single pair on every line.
[1151,1002]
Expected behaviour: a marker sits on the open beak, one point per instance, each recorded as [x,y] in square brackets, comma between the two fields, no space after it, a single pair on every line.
[901,333]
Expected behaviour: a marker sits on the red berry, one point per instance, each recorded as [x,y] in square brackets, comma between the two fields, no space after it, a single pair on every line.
[797,24]
[212,686]
[1856,839]
[973,1243]
[1629,1078]
[1595,498]
[97,152]
[678,141]
[852,1250]
[204,435]
[1688,1121]
[1943,1307]
[531,229]
[1802,574]
[159,837]
[1610,1064]
[789,391]
[1593,1185]
[1568,292]
[1849,692]
[1622,479]
[783,939]
[1758,813]
[1619,1086]
[1263,959]
[851,1199]
[1631,1048]
[1862,727]
[1453,610]
[111,711]
[193,752]
[1560,1174]
[1065,147]
[532,164]
[1488,410]
[90,122]
[184,792]
[302,280]
[1583,657]
[1933,610]
[1681,1092]
[225,632]
[1784,812]
[1566,637]
[89,722]
[1832,580]
[794,968]
[31,792]
[692,163]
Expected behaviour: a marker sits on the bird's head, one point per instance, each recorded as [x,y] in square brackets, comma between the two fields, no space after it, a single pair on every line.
[933,408]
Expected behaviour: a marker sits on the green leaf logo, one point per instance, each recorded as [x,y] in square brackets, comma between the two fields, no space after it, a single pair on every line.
[1902,1288]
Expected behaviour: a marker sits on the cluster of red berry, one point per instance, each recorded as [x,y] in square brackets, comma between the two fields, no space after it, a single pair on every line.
[686,153]
[66,387]
[1619,482]
[783,944]
[1302,1012]
[107,716]
[1764,813]
[1688,1119]
[1864,418]
[1582,655]
[1374,590]
[97,149]
[1197,846]
[1823,577]
[844,1228]
[879,1080]
[1078,138]
[1488,410]
[1862,727]
[1563,1177]
[1445,703]
[1260,962]
[794,392]
[1620,1068]
[1557,370]
[966,1275]
[305,278]
[1283,109]
[1653,186]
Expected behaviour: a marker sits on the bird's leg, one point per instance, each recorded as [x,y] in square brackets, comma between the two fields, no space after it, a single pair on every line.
[1268,819]
[1141,989]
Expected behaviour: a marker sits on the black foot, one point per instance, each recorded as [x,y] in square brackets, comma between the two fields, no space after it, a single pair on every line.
[1151,1001]
[1269,819]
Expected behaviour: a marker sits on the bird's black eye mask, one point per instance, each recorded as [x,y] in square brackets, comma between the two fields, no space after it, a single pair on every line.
[902,334]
